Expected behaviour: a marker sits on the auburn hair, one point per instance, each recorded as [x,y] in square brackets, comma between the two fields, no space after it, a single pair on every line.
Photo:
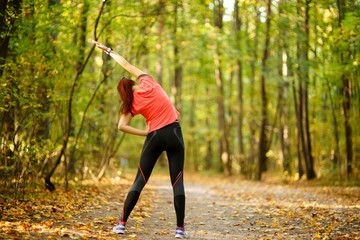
[125,88]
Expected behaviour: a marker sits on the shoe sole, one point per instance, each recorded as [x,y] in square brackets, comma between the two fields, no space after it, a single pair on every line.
[119,231]
[182,236]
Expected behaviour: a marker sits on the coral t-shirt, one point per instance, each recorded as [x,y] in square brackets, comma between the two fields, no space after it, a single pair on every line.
[153,103]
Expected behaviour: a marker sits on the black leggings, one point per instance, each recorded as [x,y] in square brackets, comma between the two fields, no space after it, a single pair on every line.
[169,139]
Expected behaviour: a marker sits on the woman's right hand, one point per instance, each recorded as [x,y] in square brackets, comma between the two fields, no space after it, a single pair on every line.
[147,128]
[99,45]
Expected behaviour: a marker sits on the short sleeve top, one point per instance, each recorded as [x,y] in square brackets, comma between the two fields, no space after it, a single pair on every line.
[153,103]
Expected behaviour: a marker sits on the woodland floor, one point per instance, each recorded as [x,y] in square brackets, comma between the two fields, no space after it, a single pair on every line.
[216,208]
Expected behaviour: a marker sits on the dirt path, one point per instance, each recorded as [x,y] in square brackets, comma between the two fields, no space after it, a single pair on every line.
[216,208]
[248,210]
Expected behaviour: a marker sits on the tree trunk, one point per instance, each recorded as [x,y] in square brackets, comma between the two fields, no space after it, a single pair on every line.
[298,131]
[302,106]
[252,123]
[347,95]
[238,38]
[159,62]
[282,95]
[264,134]
[224,145]
[208,137]
[336,160]
[310,173]
[193,148]
[177,84]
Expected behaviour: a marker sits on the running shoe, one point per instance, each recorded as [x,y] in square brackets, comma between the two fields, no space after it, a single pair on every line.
[119,228]
[181,233]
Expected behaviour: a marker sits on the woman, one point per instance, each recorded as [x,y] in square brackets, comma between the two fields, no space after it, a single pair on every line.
[163,133]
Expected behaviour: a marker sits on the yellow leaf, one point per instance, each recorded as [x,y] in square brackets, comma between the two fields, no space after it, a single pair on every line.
[138,218]
[317,235]
[110,218]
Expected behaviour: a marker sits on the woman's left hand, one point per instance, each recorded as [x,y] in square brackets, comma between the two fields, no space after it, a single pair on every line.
[99,45]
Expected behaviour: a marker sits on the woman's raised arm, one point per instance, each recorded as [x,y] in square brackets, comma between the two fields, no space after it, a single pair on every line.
[125,64]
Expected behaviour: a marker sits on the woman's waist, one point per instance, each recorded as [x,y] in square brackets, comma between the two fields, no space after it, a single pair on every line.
[162,125]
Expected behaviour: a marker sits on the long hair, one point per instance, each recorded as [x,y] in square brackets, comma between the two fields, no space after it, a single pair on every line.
[125,88]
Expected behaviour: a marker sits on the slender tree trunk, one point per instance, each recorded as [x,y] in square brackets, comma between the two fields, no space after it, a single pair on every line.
[82,37]
[192,149]
[224,145]
[347,124]
[347,95]
[208,137]
[159,62]
[238,38]
[310,173]
[303,73]
[282,72]
[336,162]
[177,85]
[285,120]
[252,123]
[264,134]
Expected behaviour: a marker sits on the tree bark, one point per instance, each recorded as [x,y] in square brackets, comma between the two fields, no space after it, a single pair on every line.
[208,137]
[336,160]
[310,173]
[303,74]
[224,145]
[264,134]
[347,95]
[252,122]
[282,96]
[177,84]
[238,39]
[159,62]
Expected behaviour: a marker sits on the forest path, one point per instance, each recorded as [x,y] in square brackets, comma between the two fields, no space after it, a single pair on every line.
[235,209]
[216,208]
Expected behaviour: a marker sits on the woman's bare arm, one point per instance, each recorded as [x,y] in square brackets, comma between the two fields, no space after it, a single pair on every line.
[122,61]
[125,127]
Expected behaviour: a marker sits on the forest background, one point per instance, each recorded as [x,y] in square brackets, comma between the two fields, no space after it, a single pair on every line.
[262,86]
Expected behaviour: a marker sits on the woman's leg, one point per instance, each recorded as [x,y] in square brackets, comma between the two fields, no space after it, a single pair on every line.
[175,153]
[150,153]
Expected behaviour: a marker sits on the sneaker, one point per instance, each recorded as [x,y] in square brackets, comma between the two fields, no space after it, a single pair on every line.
[181,233]
[119,228]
